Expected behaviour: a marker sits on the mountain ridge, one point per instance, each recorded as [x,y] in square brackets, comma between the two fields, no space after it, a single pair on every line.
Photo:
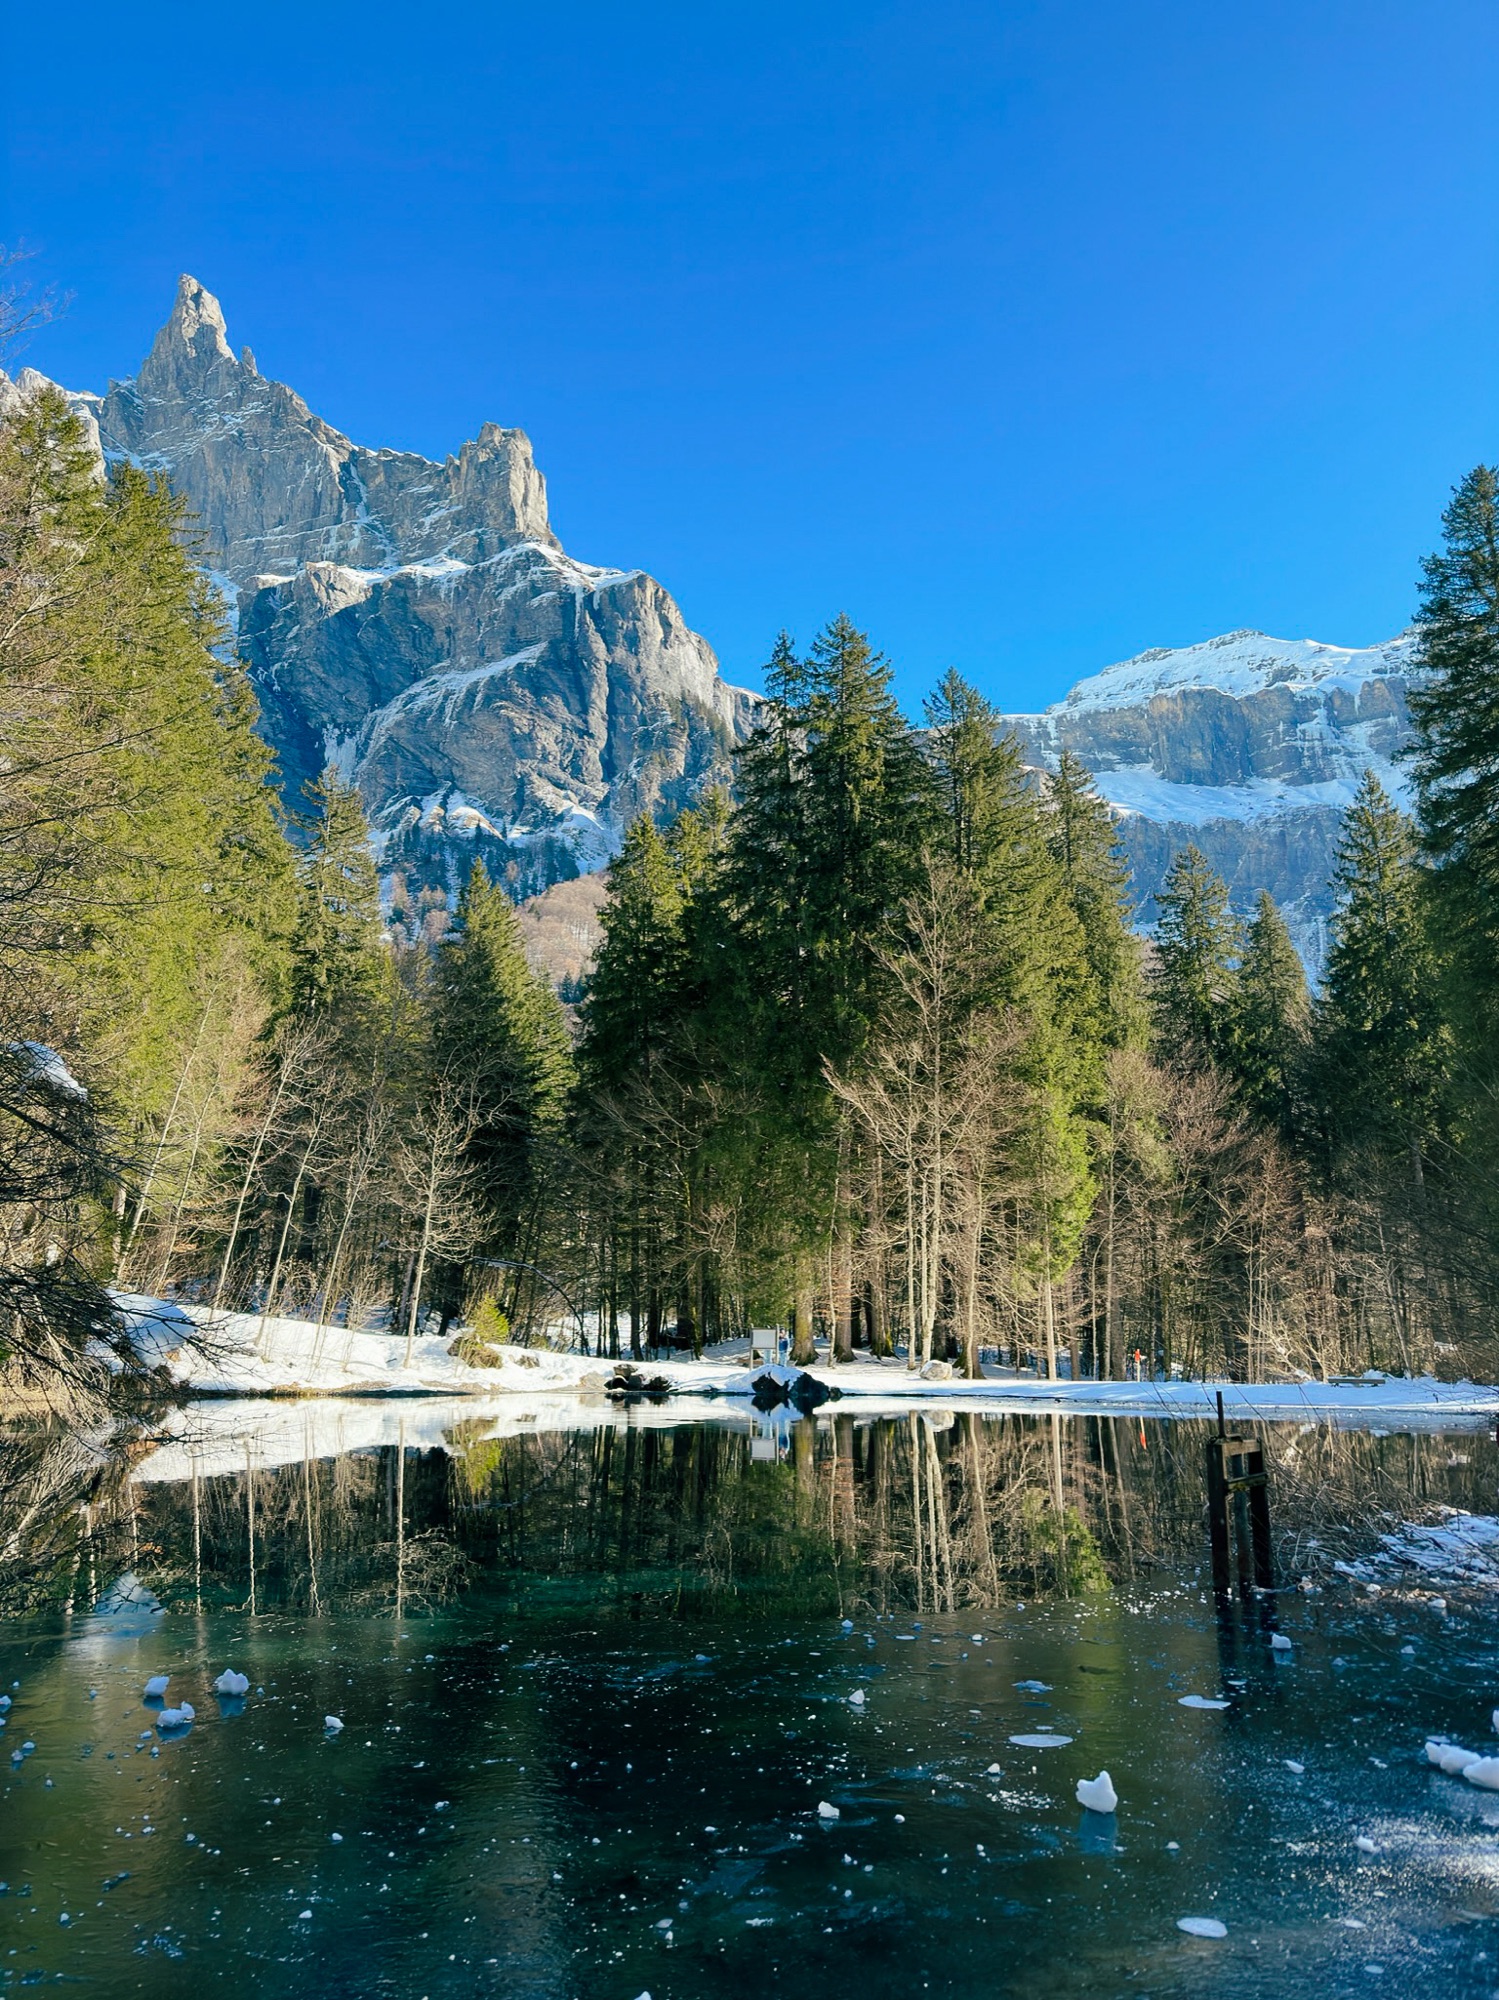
[416,622]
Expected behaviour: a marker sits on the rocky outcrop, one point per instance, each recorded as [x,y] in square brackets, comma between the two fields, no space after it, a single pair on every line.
[1250,746]
[419,625]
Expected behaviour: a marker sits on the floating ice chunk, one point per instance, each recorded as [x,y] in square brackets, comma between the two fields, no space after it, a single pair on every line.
[1483,1772]
[1367,1846]
[1454,1759]
[175,1718]
[856,1699]
[332,1724]
[1039,1742]
[156,1687]
[4,1703]
[1034,1687]
[1202,1927]
[1279,1643]
[846,1625]
[1200,1701]
[1494,1718]
[229,1682]
[1296,1770]
[825,1811]
[995,1771]
[1097,1794]
[304,1916]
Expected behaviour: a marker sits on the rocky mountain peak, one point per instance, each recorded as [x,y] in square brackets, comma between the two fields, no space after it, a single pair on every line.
[272,486]
[416,622]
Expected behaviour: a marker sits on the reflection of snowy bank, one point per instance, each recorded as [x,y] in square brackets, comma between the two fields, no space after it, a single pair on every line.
[222,1437]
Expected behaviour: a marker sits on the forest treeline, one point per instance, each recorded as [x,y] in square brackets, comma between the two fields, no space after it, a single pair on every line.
[870,1050]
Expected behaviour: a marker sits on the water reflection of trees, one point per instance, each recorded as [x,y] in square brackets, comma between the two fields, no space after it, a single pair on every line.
[935,1511]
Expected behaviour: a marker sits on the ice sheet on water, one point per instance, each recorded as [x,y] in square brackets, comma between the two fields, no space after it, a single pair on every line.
[1040,1742]
[1203,1927]
[1200,1701]
[1460,1547]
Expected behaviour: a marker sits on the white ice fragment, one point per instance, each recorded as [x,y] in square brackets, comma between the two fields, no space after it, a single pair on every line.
[995,1771]
[335,1836]
[332,1724]
[1483,1772]
[1367,1846]
[1494,1718]
[1097,1794]
[1454,1759]
[1200,1701]
[175,1718]
[1034,1687]
[1208,1927]
[847,1625]
[304,1916]
[229,1682]
[157,1685]
[4,1703]
[856,1699]
[1279,1643]
[825,1811]
[1296,1770]
[1039,1742]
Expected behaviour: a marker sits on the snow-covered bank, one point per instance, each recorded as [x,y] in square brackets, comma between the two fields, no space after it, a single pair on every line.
[247,1354]
[243,1354]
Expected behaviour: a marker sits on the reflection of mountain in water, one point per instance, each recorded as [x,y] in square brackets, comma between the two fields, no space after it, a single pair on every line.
[936,1511]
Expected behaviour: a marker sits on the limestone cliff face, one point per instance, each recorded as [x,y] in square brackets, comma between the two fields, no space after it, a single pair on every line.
[419,624]
[1250,746]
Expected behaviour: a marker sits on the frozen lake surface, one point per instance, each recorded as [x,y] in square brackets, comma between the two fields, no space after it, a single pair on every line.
[702,1709]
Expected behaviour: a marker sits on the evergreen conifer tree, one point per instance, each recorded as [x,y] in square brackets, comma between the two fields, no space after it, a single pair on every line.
[1454,705]
[1197,941]
[1083,841]
[1271,1018]
[339,964]
[499,1035]
[1382,1045]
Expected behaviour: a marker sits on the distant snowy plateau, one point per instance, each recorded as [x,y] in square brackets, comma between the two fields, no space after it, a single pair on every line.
[419,625]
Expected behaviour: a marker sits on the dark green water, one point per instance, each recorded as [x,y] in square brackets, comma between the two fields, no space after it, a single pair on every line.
[595,1686]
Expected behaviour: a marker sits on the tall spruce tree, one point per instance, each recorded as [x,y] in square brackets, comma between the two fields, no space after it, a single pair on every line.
[1272,1015]
[1383,1048]
[1454,705]
[1197,942]
[1085,845]
[138,844]
[499,1036]
[339,964]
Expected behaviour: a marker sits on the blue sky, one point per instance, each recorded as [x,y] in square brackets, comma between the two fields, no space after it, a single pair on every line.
[1029,335]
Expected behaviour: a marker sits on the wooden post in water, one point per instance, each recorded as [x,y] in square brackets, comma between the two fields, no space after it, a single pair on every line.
[1238,1510]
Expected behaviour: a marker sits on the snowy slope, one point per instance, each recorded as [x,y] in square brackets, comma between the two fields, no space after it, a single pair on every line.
[1251,746]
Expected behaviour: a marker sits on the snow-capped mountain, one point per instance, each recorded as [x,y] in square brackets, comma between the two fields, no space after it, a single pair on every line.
[419,625]
[1250,746]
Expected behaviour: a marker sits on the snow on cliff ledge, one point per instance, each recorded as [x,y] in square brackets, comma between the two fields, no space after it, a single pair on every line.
[1243,663]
